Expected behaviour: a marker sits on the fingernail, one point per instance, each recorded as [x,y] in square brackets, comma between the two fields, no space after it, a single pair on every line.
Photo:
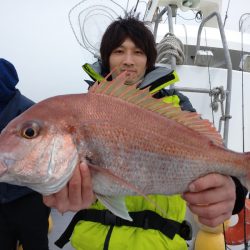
[191,187]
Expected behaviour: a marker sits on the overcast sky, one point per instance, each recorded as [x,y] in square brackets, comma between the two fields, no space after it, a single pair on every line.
[236,9]
[37,38]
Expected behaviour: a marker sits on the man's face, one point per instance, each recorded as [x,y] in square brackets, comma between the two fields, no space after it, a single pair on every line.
[129,58]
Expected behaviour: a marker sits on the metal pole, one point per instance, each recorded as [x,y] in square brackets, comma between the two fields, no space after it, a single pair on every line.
[229,69]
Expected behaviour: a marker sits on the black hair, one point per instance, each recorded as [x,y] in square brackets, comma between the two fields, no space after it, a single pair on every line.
[132,28]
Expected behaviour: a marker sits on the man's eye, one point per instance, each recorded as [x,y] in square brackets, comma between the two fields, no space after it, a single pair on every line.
[139,52]
[118,51]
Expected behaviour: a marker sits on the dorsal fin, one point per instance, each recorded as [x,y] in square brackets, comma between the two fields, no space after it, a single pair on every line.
[143,98]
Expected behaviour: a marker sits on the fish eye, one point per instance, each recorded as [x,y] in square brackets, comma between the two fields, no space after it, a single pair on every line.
[30,130]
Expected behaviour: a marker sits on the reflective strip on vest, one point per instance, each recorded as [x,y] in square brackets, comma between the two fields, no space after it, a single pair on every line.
[174,99]
[166,84]
[92,73]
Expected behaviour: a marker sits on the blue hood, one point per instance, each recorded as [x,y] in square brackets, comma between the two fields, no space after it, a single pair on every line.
[8,82]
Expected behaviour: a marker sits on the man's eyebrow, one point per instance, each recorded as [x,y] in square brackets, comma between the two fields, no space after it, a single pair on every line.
[120,46]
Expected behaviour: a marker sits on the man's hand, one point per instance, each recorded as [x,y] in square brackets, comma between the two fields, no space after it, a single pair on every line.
[76,195]
[211,198]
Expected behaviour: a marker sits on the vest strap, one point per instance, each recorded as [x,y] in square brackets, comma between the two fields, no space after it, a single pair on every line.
[146,219]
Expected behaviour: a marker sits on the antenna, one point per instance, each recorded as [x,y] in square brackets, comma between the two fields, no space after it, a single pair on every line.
[184,5]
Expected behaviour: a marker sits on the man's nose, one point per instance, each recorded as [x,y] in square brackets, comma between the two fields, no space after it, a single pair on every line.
[128,59]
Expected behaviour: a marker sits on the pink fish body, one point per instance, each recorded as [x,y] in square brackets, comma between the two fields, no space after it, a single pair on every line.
[129,148]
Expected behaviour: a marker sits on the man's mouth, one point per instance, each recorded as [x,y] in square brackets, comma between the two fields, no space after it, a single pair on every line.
[128,70]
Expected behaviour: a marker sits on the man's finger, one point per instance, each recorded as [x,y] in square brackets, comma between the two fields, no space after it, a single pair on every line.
[74,188]
[208,181]
[87,192]
[49,200]
[215,221]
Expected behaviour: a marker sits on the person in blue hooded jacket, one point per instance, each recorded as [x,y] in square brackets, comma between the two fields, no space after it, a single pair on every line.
[23,215]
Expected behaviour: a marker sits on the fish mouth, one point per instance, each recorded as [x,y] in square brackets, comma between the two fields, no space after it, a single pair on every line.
[5,163]
[3,168]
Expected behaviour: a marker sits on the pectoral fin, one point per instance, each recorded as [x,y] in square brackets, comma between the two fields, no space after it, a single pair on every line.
[116,205]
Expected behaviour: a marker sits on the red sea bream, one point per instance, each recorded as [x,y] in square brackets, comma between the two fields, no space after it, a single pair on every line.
[133,144]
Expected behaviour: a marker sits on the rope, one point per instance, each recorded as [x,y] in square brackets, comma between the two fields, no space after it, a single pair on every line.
[169,46]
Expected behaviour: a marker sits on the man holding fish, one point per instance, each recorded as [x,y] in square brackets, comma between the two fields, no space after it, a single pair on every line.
[128,49]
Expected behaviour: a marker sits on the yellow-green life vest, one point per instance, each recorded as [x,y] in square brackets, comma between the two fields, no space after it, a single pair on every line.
[89,235]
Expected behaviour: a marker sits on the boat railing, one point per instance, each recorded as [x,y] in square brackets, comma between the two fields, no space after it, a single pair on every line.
[225,115]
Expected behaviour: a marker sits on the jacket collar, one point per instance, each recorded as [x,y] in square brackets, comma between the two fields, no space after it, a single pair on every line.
[159,73]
